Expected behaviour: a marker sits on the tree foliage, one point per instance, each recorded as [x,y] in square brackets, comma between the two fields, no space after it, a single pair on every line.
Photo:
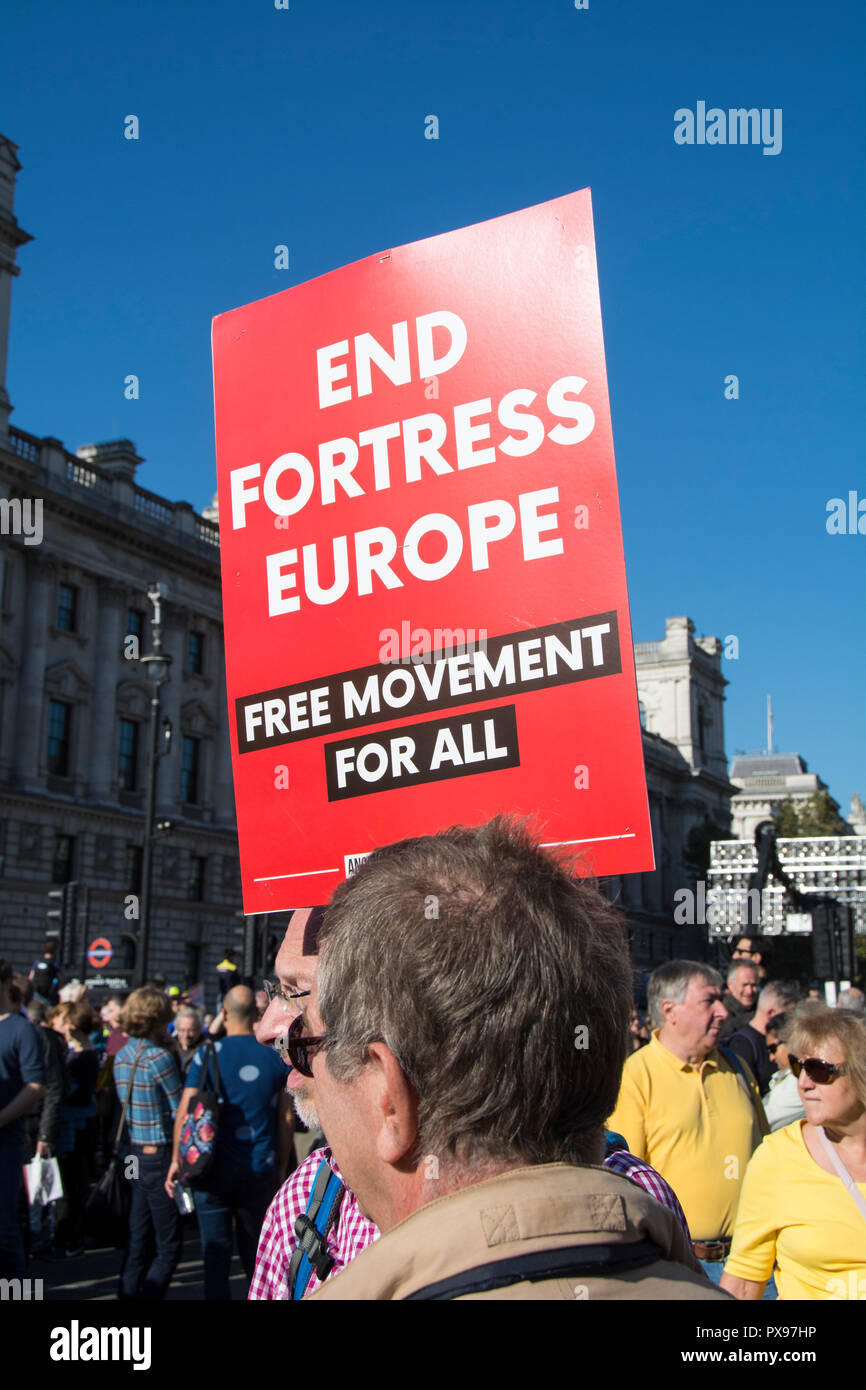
[817,814]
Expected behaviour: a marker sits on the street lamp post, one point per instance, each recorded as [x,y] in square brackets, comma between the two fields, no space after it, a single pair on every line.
[156,665]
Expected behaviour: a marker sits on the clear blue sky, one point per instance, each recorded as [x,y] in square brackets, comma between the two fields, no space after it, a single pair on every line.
[306,127]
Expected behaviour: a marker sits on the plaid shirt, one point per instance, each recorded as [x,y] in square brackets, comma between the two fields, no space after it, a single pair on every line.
[642,1175]
[156,1091]
[353,1232]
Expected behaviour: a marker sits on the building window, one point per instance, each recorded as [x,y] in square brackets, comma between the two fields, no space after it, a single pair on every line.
[64,857]
[642,712]
[67,603]
[189,771]
[192,963]
[59,723]
[195,653]
[127,756]
[195,882]
[132,869]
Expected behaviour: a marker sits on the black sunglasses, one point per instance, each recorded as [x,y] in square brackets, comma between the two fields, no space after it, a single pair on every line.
[817,1069]
[302,1049]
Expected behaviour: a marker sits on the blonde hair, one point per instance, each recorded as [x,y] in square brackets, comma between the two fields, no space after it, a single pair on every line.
[144,1011]
[814,1024]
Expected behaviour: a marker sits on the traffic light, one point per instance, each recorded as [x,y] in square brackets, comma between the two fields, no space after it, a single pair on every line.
[64,914]
[248,966]
[128,954]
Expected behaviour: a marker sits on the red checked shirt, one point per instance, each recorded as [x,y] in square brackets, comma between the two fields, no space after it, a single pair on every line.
[353,1232]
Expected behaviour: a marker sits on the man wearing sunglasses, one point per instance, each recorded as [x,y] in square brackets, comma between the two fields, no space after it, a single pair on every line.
[286,1027]
[349,1233]
[463,1067]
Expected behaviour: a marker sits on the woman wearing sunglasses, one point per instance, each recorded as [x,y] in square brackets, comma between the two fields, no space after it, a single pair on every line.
[803,1201]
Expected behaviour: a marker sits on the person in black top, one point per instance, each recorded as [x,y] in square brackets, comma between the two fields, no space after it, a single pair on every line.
[750,1041]
[74,1022]
[740,997]
[22,1086]
[45,977]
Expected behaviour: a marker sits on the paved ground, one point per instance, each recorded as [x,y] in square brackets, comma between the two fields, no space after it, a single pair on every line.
[93,1275]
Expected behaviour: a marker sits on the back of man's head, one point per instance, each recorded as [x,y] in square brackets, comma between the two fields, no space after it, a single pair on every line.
[778,997]
[240,1009]
[501,984]
[852,999]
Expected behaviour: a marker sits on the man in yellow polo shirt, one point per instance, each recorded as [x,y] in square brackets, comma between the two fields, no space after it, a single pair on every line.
[690,1111]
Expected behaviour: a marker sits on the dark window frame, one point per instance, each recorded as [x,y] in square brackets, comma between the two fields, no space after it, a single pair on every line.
[128,762]
[59,757]
[195,653]
[133,856]
[63,864]
[67,613]
[195,884]
[190,770]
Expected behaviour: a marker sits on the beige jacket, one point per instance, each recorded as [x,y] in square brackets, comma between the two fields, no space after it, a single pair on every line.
[526,1210]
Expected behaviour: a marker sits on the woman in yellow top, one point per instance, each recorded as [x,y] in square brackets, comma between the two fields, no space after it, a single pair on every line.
[797,1209]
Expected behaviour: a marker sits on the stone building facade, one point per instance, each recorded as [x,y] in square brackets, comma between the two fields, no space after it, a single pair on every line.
[763,781]
[681,694]
[74,702]
[74,709]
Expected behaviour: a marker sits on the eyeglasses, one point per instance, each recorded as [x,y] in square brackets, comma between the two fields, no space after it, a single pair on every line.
[817,1069]
[771,1048]
[298,1051]
[274,991]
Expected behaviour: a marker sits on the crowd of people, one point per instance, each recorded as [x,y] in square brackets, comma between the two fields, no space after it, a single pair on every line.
[493,1116]
[65,1073]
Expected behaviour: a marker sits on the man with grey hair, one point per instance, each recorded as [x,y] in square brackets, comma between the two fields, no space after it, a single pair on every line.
[465,1035]
[689,1108]
[741,995]
[188,1032]
[750,1041]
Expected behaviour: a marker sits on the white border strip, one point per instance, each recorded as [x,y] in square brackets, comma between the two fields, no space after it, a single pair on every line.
[555,844]
[308,873]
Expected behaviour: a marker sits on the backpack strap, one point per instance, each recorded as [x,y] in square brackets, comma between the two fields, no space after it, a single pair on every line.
[603,1261]
[122,1121]
[748,1081]
[731,1057]
[312,1228]
[210,1060]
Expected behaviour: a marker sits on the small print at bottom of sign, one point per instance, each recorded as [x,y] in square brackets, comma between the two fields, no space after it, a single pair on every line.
[432,751]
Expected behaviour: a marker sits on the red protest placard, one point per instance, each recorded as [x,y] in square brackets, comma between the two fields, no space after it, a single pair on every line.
[424,593]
